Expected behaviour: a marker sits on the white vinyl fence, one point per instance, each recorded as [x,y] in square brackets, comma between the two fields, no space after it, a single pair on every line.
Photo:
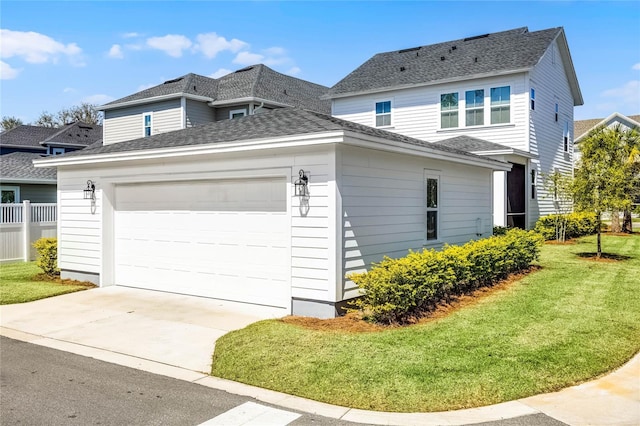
[23,224]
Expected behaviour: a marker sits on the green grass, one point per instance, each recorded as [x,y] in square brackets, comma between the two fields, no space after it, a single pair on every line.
[569,322]
[24,282]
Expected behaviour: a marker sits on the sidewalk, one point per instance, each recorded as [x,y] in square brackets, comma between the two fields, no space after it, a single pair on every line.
[174,336]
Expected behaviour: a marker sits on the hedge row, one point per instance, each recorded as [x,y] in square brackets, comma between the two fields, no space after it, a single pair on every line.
[397,290]
[578,225]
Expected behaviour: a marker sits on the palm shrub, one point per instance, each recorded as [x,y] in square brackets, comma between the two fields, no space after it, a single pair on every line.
[398,290]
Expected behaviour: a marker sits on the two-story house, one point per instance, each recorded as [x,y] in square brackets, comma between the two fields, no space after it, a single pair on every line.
[194,99]
[19,146]
[508,95]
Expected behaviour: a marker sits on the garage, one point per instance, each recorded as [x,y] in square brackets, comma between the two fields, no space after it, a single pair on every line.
[225,239]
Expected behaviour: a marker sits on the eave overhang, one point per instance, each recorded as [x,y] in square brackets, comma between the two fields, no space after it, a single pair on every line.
[155,99]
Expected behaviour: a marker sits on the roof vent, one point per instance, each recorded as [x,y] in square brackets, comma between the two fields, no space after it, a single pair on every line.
[402,68]
[411,49]
[442,58]
[475,59]
[175,80]
[476,37]
[244,69]
[454,47]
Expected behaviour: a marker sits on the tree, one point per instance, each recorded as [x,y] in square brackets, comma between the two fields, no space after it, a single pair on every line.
[9,123]
[559,186]
[606,177]
[85,112]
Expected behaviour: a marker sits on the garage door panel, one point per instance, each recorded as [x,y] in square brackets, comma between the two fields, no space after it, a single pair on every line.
[240,255]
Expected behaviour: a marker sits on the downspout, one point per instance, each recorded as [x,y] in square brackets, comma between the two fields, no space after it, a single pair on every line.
[256,109]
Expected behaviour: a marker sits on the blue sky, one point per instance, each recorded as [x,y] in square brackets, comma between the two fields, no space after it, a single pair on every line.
[57,54]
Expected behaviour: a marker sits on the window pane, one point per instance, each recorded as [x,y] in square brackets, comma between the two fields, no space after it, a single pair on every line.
[147,131]
[432,225]
[432,193]
[383,107]
[449,119]
[147,120]
[475,117]
[474,98]
[449,101]
[500,115]
[383,120]
[500,95]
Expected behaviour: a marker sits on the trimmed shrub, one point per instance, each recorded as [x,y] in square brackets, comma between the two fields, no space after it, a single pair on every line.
[397,290]
[578,225]
[47,249]
[500,230]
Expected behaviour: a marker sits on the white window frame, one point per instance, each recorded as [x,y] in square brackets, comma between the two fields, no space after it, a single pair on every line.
[431,175]
[566,138]
[383,114]
[499,106]
[233,112]
[473,108]
[557,112]
[14,189]
[144,126]
[448,111]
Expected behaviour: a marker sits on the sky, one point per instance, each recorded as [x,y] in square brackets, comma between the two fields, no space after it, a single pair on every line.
[55,55]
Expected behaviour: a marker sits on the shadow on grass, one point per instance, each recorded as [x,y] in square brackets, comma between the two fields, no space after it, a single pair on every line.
[604,257]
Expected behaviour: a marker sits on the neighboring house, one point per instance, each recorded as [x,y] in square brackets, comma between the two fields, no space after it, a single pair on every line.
[194,99]
[214,210]
[508,95]
[582,128]
[19,180]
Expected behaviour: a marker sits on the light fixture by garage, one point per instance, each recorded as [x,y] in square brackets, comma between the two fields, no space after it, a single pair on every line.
[90,191]
[301,189]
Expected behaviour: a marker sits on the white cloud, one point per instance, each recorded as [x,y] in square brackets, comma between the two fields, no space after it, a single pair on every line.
[248,58]
[636,67]
[98,99]
[7,72]
[211,44]
[294,71]
[220,73]
[36,48]
[130,35]
[116,52]
[275,51]
[171,44]
[134,46]
[626,98]
[69,90]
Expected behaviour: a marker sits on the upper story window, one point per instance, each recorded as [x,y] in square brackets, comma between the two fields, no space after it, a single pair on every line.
[500,105]
[448,110]
[431,206]
[533,99]
[383,113]
[147,125]
[565,137]
[57,151]
[557,111]
[474,106]
[237,113]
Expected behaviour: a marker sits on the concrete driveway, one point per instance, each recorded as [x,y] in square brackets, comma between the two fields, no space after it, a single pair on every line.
[174,330]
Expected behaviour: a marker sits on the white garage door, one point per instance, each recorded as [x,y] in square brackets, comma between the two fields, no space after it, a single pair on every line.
[225,239]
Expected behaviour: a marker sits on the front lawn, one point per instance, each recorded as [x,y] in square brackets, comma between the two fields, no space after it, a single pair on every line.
[569,322]
[24,282]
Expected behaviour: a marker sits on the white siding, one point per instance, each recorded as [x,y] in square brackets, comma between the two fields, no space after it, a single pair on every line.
[416,112]
[546,135]
[198,113]
[127,123]
[383,206]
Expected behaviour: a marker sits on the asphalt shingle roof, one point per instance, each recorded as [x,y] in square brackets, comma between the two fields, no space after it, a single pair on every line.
[78,134]
[580,127]
[257,81]
[471,144]
[486,54]
[275,123]
[18,165]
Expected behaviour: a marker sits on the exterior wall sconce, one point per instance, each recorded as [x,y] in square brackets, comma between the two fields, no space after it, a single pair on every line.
[90,191]
[301,189]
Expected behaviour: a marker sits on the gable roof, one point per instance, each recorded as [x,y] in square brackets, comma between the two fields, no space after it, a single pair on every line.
[18,167]
[515,50]
[254,83]
[277,123]
[76,134]
[582,127]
